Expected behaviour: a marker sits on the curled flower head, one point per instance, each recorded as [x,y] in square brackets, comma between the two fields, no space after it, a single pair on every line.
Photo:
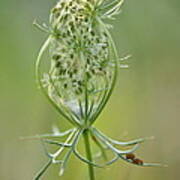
[83,59]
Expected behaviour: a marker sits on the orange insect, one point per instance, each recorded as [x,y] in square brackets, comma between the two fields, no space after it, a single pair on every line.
[130,156]
[138,161]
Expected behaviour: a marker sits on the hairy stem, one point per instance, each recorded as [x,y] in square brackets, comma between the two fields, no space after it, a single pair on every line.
[88,154]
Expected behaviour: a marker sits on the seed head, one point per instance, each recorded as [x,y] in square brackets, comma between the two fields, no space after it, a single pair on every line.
[81,57]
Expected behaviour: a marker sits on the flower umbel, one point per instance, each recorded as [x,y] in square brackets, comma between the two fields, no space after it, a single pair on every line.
[78,78]
[81,76]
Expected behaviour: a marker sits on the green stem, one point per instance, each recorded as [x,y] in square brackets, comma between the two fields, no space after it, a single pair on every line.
[88,154]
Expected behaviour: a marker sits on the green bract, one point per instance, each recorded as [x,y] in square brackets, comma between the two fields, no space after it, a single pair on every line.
[79,76]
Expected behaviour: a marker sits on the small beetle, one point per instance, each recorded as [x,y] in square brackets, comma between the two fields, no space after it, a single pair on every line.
[138,161]
[130,156]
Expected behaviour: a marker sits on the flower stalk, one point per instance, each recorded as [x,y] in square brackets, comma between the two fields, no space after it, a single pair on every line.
[89,154]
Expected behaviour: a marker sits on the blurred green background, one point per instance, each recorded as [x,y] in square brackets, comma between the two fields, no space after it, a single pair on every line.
[144,103]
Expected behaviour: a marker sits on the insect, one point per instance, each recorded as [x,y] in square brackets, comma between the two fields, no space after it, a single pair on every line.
[130,156]
[135,160]
[138,161]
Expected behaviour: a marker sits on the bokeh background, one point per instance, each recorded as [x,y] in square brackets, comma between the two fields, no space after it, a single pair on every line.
[144,103]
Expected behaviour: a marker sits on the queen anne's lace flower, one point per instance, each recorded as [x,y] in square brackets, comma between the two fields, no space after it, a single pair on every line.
[81,59]
[79,76]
